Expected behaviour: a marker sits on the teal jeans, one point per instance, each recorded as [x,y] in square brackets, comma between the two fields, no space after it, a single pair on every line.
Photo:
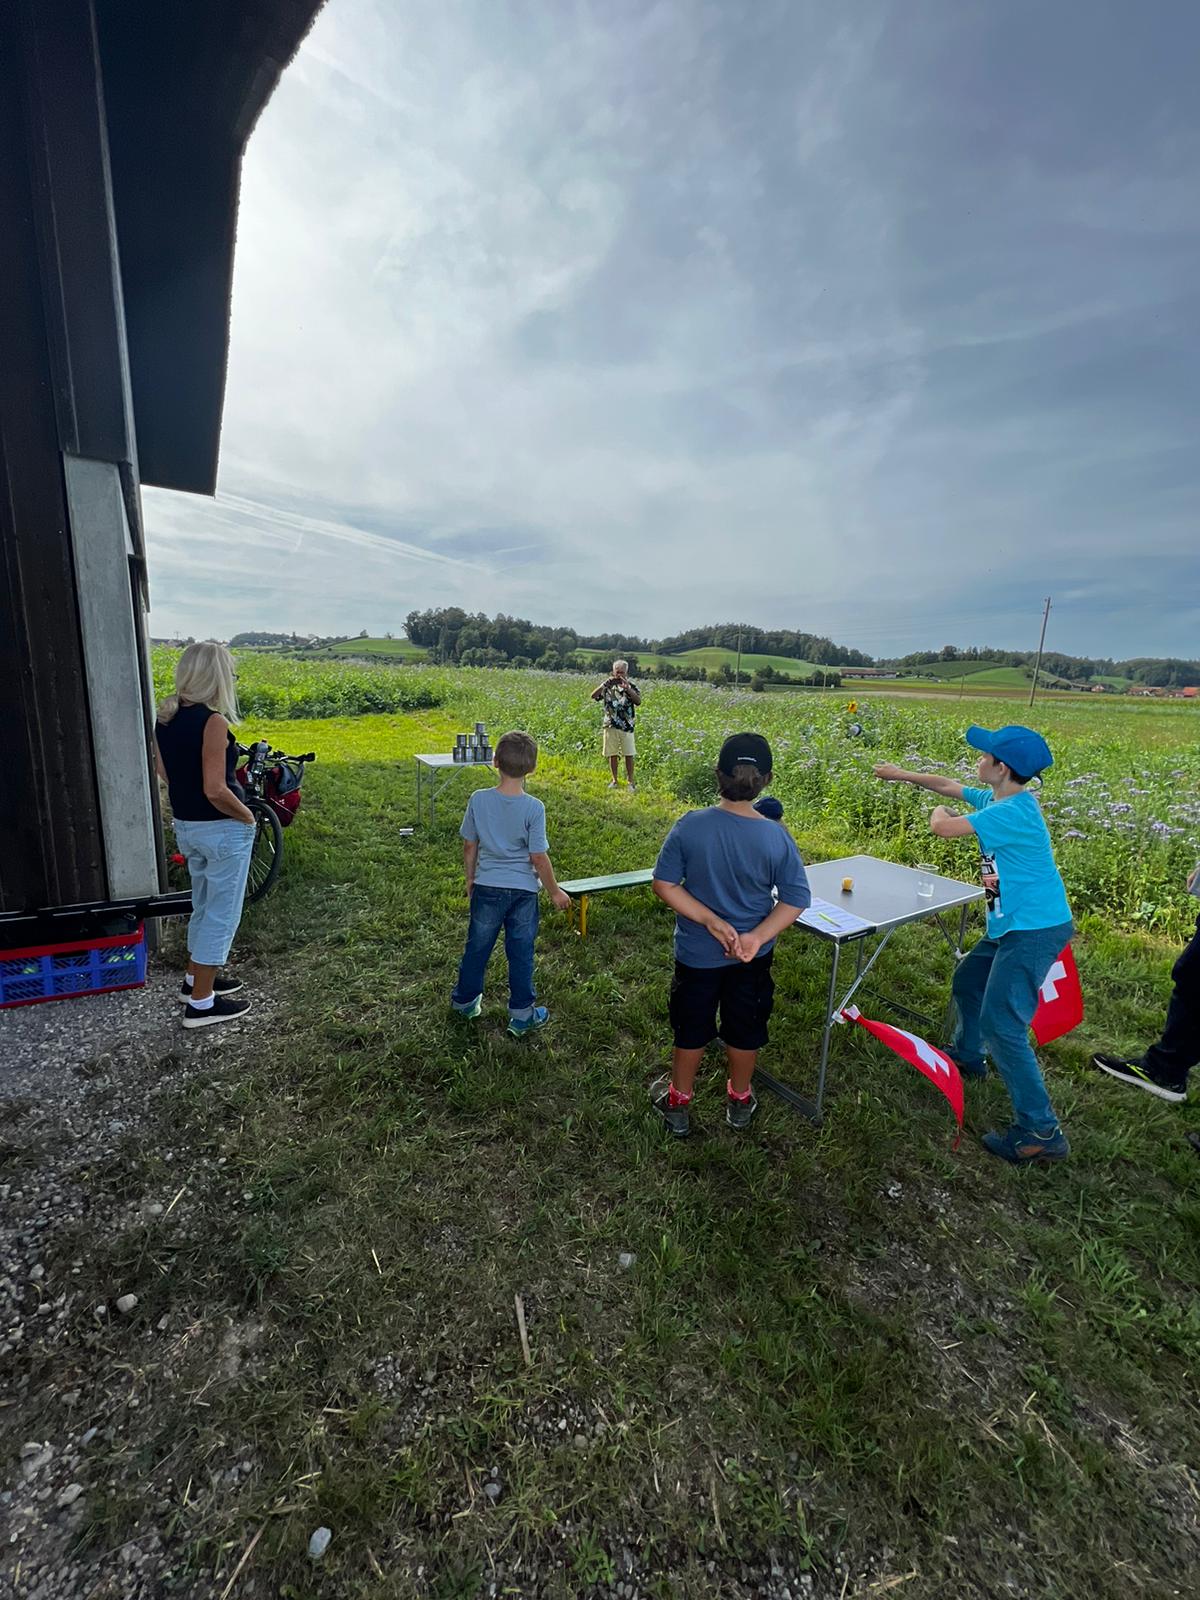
[995,995]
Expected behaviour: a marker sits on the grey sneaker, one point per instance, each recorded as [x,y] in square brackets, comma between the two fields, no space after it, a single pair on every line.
[740,1114]
[676,1119]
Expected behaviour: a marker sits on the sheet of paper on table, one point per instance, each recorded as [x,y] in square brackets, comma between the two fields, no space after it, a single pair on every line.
[825,917]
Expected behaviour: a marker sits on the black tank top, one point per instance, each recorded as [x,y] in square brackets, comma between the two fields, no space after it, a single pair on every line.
[180,743]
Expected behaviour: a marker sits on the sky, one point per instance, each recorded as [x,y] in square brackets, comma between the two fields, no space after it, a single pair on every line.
[878,321]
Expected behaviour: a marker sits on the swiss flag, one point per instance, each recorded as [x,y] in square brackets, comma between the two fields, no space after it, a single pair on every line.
[930,1062]
[1060,1005]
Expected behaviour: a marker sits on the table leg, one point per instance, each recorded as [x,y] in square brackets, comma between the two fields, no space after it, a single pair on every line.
[417,786]
[948,1023]
[583,904]
[830,1002]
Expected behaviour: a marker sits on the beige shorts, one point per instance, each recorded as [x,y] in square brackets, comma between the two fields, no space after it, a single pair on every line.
[618,743]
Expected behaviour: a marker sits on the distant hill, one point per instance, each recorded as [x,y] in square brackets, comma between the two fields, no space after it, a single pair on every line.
[385,649]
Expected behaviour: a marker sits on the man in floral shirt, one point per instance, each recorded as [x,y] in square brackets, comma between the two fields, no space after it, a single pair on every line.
[621,700]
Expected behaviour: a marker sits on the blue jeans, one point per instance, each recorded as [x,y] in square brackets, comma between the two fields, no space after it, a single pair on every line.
[218,858]
[996,994]
[516,911]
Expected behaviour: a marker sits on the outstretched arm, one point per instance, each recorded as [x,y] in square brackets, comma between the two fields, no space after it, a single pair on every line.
[923,780]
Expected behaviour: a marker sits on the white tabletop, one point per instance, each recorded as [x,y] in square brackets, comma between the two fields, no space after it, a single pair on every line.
[884,893]
[440,760]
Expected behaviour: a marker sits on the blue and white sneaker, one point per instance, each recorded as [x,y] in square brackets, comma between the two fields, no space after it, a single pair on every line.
[471,1010]
[519,1028]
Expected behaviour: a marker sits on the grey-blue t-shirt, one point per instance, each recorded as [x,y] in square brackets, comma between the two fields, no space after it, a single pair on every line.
[731,864]
[508,829]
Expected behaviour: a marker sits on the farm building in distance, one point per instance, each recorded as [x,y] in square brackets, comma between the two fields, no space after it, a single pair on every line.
[122,126]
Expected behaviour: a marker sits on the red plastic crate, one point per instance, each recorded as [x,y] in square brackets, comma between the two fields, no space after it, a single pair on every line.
[57,971]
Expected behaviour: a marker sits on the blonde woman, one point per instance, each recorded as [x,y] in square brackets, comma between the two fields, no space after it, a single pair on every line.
[197,760]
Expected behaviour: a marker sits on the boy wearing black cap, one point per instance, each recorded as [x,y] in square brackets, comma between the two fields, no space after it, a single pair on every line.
[996,987]
[716,870]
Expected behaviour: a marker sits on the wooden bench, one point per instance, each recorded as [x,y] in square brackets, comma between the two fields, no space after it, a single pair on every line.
[582,888]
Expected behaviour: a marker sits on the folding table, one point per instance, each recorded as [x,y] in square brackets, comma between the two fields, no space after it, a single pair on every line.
[884,898]
[428,769]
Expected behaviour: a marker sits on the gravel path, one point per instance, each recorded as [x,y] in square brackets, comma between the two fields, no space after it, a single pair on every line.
[79,1080]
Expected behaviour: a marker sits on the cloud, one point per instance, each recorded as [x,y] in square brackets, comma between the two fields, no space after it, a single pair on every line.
[642,316]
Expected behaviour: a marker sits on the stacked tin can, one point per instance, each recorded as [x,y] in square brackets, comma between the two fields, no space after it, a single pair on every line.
[473,748]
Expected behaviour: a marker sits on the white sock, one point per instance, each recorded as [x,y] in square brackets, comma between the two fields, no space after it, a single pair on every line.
[189,979]
[202,1005]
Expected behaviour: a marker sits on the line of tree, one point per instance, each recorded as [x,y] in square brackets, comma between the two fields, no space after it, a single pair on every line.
[451,634]
[765,642]
[1167,672]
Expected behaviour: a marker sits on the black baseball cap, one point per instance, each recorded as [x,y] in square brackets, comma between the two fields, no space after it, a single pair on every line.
[751,748]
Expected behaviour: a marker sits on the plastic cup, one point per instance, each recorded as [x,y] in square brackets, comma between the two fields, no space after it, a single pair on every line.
[926,881]
[847,885]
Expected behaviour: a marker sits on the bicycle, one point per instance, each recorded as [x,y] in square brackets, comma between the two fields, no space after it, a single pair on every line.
[271,781]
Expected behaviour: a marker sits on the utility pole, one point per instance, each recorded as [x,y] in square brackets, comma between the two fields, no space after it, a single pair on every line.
[738,674]
[1037,666]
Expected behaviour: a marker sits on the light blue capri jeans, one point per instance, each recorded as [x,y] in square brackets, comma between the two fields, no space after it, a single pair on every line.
[218,858]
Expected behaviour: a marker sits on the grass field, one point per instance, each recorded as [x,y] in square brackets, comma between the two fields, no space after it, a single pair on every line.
[973,676]
[938,674]
[386,649]
[712,658]
[842,1363]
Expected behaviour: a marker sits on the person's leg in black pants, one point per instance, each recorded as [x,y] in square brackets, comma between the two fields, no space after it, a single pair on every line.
[1163,1070]
[1178,1050]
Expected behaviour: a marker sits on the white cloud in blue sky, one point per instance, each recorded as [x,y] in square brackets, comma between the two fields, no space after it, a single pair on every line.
[872,320]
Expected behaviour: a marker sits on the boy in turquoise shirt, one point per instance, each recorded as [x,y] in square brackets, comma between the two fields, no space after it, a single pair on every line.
[997,985]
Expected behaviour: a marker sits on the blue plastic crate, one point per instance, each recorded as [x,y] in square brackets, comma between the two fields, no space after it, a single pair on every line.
[55,972]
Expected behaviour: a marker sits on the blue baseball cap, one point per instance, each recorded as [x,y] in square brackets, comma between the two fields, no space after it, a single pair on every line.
[1025,751]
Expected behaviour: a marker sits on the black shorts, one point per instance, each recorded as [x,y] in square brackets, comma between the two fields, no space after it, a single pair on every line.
[742,992]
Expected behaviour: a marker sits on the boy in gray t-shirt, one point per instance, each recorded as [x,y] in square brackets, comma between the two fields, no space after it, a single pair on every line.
[735,881]
[505,857]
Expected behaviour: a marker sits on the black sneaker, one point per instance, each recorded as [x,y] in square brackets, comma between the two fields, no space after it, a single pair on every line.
[676,1119]
[1135,1073]
[740,1114]
[221,1010]
[220,986]
[971,1069]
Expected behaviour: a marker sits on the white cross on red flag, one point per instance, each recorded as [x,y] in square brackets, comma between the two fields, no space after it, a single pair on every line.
[1060,1003]
[929,1061]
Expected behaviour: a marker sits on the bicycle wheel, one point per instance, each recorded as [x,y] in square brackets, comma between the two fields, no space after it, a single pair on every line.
[267,856]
